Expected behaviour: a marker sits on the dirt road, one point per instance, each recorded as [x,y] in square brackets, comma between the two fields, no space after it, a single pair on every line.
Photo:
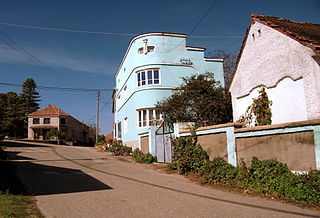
[81,182]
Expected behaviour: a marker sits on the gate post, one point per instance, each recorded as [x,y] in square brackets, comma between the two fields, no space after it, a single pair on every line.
[231,146]
[152,140]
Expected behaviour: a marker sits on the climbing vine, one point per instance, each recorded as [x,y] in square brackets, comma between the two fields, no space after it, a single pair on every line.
[259,112]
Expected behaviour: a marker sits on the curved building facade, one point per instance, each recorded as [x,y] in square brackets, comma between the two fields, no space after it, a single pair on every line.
[152,67]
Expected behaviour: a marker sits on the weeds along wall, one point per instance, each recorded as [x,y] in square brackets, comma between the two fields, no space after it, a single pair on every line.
[296,144]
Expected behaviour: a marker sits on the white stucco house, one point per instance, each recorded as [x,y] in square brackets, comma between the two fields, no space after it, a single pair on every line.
[284,57]
[52,117]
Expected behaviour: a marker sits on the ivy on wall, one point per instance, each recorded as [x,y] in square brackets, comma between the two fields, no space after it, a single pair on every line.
[259,112]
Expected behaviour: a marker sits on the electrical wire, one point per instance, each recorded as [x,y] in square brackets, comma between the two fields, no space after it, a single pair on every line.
[111,33]
[100,109]
[205,15]
[23,53]
[61,88]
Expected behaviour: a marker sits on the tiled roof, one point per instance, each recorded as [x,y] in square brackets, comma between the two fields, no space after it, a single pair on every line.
[50,110]
[306,33]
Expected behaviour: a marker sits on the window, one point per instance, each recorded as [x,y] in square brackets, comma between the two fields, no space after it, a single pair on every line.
[125,125]
[119,130]
[36,121]
[62,121]
[148,117]
[150,77]
[125,93]
[149,49]
[46,120]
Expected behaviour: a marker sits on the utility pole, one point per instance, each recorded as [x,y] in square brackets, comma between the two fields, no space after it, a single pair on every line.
[97,117]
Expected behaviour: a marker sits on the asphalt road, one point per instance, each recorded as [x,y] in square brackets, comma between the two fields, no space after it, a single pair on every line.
[81,182]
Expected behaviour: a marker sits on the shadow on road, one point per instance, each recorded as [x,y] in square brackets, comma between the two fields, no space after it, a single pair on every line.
[40,179]
[46,180]
[20,144]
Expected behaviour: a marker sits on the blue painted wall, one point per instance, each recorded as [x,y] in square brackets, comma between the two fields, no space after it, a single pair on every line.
[169,49]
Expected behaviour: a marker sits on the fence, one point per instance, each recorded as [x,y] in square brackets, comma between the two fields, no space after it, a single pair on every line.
[297,144]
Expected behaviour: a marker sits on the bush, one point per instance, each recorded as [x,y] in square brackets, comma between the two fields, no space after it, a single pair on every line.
[219,171]
[143,158]
[188,157]
[117,148]
[265,176]
[120,150]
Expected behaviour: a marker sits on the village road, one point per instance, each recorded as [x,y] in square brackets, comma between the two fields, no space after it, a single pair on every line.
[81,182]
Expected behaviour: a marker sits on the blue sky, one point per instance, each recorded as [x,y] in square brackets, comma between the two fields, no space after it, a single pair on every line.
[82,60]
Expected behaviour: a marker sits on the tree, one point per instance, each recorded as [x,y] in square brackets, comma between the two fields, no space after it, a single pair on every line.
[12,120]
[30,98]
[30,95]
[200,99]
[229,63]
[55,134]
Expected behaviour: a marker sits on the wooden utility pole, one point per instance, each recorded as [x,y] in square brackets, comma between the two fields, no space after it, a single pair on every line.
[97,117]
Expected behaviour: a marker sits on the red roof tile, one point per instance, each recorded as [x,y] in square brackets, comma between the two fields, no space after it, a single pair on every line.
[307,34]
[50,110]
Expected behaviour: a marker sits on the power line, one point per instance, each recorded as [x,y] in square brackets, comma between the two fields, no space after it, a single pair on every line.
[61,88]
[21,52]
[111,33]
[101,109]
[66,30]
[205,15]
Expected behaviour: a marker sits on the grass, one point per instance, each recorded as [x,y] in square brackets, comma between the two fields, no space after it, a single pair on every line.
[13,200]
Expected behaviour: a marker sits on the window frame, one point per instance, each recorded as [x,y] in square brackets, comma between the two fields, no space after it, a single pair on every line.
[34,120]
[63,123]
[143,117]
[140,82]
[46,120]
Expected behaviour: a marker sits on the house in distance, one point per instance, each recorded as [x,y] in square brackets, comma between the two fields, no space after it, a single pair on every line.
[52,117]
[152,67]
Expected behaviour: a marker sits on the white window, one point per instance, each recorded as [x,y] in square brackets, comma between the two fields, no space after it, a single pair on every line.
[148,117]
[125,93]
[148,77]
[125,125]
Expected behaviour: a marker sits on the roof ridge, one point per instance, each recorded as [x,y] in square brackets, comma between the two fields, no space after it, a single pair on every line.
[260,17]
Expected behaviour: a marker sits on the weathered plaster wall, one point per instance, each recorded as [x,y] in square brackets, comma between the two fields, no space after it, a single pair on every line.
[294,149]
[214,144]
[268,58]
[288,101]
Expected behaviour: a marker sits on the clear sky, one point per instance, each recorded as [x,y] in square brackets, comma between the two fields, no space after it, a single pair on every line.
[81,60]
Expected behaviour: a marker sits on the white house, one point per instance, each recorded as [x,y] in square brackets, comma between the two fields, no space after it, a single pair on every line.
[284,57]
[52,117]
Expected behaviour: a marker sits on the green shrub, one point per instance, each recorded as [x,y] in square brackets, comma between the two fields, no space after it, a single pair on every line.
[265,176]
[188,157]
[143,158]
[119,149]
[221,172]
[273,177]
[136,152]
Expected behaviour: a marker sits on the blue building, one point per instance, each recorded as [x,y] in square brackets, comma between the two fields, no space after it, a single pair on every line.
[151,68]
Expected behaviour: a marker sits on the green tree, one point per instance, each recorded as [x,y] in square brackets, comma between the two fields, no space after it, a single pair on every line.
[3,106]
[200,99]
[55,134]
[12,120]
[30,96]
